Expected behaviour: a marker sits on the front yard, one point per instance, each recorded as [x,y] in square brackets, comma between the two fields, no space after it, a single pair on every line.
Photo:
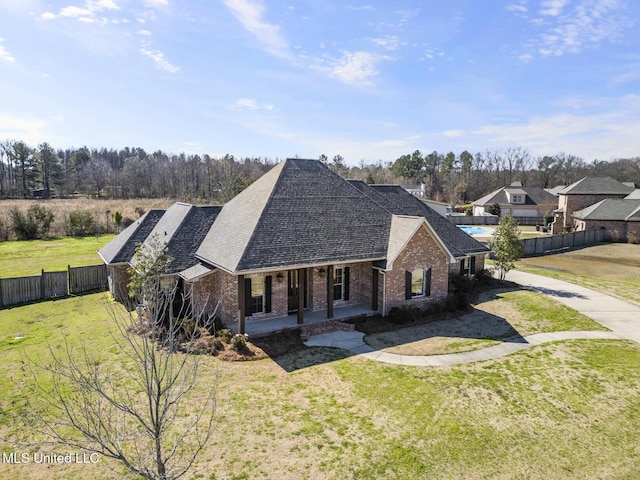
[560,410]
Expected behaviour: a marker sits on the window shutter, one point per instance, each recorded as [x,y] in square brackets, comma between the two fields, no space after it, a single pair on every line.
[345,279]
[267,294]
[407,285]
[427,283]
[472,271]
[248,307]
[462,260]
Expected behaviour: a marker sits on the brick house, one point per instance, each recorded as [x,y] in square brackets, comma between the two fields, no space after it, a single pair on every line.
[303,240]
[620,218]
[584,193]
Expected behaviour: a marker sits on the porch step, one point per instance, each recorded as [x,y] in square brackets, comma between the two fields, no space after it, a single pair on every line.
[328,326]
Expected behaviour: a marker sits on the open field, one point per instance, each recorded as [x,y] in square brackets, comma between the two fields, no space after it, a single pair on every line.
[612,268]
[102,211]
[20,258]
[561,410]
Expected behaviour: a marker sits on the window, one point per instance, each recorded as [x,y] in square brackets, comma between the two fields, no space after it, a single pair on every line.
[341,283]
[417,283]
[468,266]
[337,284]
[257,294]
[517,198]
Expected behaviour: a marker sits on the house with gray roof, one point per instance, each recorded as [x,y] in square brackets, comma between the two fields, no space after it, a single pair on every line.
[583,193]
[519,201]
[303,241]
[620,217]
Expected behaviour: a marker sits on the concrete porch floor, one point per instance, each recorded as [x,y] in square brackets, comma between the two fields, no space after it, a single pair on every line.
[269,325]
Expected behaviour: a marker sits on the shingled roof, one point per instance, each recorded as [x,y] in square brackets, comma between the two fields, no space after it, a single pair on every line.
[597,186]
[122,248]
[401,202]
[534,196]
[612,209]
[181,227]
[299,213]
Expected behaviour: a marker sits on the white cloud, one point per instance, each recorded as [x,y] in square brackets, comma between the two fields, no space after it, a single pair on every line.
[145,33]
[388,42]
[249,104]
[608,133]
[159,59]
[569,28]
[517,8]
[552,7]
[356,68]
[156,3]
[47,16]
[73,11]
[250,15]
[4,54]
[28,131]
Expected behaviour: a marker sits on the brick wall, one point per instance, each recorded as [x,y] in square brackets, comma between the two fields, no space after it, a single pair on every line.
[421,252]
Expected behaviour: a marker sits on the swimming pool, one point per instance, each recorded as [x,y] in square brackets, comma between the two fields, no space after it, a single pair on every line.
[476,231]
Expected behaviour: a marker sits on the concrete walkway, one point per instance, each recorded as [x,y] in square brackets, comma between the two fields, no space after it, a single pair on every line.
[621,317]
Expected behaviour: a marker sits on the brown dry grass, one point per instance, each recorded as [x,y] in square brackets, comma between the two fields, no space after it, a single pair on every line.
[610,268]
[102,210]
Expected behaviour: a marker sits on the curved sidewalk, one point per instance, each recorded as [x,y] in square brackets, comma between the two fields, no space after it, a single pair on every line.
[622,318]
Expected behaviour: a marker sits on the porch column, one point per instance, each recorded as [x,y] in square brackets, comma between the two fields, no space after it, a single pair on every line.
[374,290]
[330,291]
[302,287]
[241,304]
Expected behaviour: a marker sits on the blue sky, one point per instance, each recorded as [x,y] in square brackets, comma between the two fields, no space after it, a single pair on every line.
[369,80]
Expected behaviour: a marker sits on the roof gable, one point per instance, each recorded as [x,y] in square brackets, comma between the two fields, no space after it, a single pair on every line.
[123,247]
[402,230]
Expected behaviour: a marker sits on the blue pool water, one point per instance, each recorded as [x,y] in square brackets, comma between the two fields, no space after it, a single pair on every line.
[475,230]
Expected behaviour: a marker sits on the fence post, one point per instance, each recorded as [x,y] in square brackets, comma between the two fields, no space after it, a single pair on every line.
[42,286]
[1,298]
[69,279]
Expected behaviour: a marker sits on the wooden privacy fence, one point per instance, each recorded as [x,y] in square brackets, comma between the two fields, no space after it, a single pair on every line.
[542,245]
[47,285]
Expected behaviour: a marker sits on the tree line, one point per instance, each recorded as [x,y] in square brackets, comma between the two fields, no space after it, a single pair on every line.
[44,172]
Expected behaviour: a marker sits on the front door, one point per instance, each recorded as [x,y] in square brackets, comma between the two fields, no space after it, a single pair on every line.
[293,288]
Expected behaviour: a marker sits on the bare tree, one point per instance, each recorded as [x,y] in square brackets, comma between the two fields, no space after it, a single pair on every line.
[143,417]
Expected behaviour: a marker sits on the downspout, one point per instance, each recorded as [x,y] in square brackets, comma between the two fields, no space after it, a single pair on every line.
[384,294]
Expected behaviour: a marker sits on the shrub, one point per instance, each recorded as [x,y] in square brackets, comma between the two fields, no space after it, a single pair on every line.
[32,225]
[494,209]
[80,223]
[456,301]
[126,221]
[117,219]
[225,335]
[239,342]
[402,315]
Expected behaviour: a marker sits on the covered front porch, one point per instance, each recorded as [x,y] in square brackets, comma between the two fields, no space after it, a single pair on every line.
[269,325]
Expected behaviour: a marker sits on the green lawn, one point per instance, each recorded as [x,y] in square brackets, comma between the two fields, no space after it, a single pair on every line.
[560,410]
[20,258]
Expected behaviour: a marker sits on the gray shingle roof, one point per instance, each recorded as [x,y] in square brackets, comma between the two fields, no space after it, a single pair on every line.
[122,248]
[534,196]
[597,186]
[612,209]
[402,202]
[299,213]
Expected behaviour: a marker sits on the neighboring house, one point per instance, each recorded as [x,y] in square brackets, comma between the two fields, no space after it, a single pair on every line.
[583,193]
[619,217]
[518,200]
[300,239]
